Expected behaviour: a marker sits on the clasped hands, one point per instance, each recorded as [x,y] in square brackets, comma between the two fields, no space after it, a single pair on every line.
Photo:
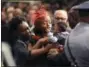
[52,49]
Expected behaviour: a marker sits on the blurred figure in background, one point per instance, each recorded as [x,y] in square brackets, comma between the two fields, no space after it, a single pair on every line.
[3,18]
[10,13]
[30,15]
[62,16]
[22,5]
[18,12]
[61,26]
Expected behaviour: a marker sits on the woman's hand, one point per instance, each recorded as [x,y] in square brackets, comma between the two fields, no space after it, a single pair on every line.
[40,42]
[43,40]
[53,52]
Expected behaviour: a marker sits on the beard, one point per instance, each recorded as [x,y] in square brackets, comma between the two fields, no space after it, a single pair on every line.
[24,37]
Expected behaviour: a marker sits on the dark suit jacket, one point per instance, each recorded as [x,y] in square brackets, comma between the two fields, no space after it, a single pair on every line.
[21,53]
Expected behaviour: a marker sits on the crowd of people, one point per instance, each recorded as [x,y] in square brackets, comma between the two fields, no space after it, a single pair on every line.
[37,35]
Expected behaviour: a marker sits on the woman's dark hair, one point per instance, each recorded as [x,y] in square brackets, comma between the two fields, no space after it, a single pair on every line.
[14,23]
[13,27]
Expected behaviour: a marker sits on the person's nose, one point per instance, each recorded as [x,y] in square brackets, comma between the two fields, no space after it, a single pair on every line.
[60,20]
[28,30]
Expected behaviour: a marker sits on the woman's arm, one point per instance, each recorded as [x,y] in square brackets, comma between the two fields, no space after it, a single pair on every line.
[37,52]
[40,42]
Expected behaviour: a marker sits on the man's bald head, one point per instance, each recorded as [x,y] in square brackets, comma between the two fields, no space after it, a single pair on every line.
[61,15]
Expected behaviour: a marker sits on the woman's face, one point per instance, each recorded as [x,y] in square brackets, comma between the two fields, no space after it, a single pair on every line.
[24,29]
[44,24]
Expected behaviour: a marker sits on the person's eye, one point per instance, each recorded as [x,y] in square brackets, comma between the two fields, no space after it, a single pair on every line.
[57,18]
[63,18]
[27,27]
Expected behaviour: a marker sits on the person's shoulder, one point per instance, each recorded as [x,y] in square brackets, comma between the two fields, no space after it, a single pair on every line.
[19,42]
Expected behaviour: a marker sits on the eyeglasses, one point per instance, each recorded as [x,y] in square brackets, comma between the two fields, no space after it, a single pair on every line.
[62,19]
